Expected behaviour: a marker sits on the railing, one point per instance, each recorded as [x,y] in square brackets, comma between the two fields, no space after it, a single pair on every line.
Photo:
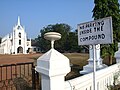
[20,76]
[104,78]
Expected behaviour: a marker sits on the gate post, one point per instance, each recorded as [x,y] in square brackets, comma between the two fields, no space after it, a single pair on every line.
[117,54]
[53,66]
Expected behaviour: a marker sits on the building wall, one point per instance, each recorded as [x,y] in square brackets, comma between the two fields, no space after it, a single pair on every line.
[35,49]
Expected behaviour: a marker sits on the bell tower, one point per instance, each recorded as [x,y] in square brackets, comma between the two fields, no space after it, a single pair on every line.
[19,38]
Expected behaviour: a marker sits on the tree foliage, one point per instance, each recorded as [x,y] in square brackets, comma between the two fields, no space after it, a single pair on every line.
[67,43]
[106,8]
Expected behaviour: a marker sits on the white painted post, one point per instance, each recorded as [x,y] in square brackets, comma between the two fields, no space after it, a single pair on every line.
[90,52]
[53,66]
[97,55]
[117,54]
[94,67]
[99,65]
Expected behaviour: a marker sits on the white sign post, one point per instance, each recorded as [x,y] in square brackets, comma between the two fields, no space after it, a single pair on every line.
[94,68]
[95,32]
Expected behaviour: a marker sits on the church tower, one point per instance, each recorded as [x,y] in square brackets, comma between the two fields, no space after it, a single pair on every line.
[19,39]
[16,42]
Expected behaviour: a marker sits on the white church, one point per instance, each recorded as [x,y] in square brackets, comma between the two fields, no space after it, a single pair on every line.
[16,42]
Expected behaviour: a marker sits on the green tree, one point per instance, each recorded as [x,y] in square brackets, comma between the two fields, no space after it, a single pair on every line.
[106,8]
[67,43]
[63,29]
[72,43]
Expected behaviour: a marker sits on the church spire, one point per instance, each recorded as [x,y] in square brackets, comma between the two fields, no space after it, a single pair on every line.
[18,21]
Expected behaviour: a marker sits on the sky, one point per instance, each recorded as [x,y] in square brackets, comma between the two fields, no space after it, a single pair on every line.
[36,14]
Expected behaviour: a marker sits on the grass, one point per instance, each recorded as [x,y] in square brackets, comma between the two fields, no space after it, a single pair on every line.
[78,60]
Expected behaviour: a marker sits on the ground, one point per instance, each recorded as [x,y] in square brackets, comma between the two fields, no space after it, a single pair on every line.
[12,59]
[75,58]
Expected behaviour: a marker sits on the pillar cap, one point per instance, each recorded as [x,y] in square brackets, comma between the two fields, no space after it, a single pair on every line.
[53,63]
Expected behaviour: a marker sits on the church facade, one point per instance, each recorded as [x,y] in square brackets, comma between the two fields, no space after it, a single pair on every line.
[16,42]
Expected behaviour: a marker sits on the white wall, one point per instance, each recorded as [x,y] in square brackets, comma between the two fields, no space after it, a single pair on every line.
[104,78]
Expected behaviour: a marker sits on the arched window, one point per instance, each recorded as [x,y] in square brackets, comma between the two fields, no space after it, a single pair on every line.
[19,42]
[19,35]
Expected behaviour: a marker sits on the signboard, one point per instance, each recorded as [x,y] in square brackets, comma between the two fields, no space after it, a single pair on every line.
[95,32]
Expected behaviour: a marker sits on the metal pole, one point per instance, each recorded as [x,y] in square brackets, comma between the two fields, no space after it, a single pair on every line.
[94,68]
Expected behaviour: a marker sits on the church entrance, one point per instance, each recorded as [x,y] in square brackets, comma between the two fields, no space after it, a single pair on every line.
[20,50]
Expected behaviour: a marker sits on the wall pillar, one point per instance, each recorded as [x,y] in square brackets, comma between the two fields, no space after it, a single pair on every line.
[89,67]
[53,67]
[117,54]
